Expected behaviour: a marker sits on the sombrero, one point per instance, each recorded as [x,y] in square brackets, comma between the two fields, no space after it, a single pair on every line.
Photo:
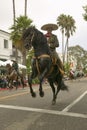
[13,60]
[49,26]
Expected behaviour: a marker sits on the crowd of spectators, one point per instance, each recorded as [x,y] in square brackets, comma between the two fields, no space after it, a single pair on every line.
[3,81]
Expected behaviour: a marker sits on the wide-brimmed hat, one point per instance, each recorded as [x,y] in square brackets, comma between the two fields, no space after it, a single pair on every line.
[13,60]
[49,26]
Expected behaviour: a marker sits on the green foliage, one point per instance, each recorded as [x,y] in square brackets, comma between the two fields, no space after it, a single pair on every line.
[80,55]
[35,81]
[21,23]
[30,55]
[67,68]
[29,59]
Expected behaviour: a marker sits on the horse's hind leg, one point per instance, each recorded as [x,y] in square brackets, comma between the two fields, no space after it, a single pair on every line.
[58,89]
[53,90]
[60,85]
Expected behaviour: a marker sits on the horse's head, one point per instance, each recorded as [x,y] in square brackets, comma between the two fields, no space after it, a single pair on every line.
[28,37]
[8,66]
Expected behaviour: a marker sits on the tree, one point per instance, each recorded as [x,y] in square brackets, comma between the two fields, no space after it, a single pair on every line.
[17,29]
[69,29]
[80,55]
[61,21]
[67,26]
[85,14]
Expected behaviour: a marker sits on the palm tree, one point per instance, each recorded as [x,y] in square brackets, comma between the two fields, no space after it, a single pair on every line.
[61,22]
[21,23]
[85,14]
[69,29]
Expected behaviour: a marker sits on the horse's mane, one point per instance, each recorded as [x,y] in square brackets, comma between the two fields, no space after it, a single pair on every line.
[26,32]
[40,35]
[39,42]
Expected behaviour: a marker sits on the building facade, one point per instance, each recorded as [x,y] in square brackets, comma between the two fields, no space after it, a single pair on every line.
[7,50]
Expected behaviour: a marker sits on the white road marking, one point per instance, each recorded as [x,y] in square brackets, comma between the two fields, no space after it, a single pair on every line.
[45,111]
[74,102]
[18,94]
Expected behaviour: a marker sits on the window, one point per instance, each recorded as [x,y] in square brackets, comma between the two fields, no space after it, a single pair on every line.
[5,43]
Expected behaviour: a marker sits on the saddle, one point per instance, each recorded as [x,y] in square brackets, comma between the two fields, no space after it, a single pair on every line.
[55,61]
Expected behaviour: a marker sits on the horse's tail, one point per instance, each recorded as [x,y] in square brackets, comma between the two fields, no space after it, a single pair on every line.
[64,86]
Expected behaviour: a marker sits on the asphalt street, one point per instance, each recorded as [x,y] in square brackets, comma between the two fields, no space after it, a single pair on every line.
[19,111]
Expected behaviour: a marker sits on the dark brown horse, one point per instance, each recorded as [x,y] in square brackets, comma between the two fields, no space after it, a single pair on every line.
[42,65]
[14,78]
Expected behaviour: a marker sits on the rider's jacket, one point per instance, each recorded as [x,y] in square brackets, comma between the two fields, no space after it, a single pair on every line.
[52,40]
[15,66]
[53,43]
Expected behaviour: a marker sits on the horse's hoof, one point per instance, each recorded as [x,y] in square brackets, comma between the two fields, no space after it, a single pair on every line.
[53,102]
[33,94]
[10,88]
[41,94]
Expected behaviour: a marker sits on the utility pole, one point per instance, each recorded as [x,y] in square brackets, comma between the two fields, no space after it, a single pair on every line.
[25,13]
[14,16]
[14,11]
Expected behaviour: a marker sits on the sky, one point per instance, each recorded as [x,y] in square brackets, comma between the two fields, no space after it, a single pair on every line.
[47,11]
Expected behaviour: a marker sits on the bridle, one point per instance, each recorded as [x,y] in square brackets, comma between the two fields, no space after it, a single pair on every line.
[32,37]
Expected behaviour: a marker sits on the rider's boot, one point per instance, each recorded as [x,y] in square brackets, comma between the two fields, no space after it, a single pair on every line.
[60,65]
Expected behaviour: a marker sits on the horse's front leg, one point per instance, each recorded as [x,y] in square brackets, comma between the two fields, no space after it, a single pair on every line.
[41,92]
[33,94]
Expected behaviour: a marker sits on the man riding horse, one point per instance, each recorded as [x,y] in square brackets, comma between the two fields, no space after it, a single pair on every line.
[15,66]
[43,66]
[14,75]
[11,70]
[53,43]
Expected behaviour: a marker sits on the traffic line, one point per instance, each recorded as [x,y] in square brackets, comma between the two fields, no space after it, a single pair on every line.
[14,95]
[18,94]
[74,102]
[45,111]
